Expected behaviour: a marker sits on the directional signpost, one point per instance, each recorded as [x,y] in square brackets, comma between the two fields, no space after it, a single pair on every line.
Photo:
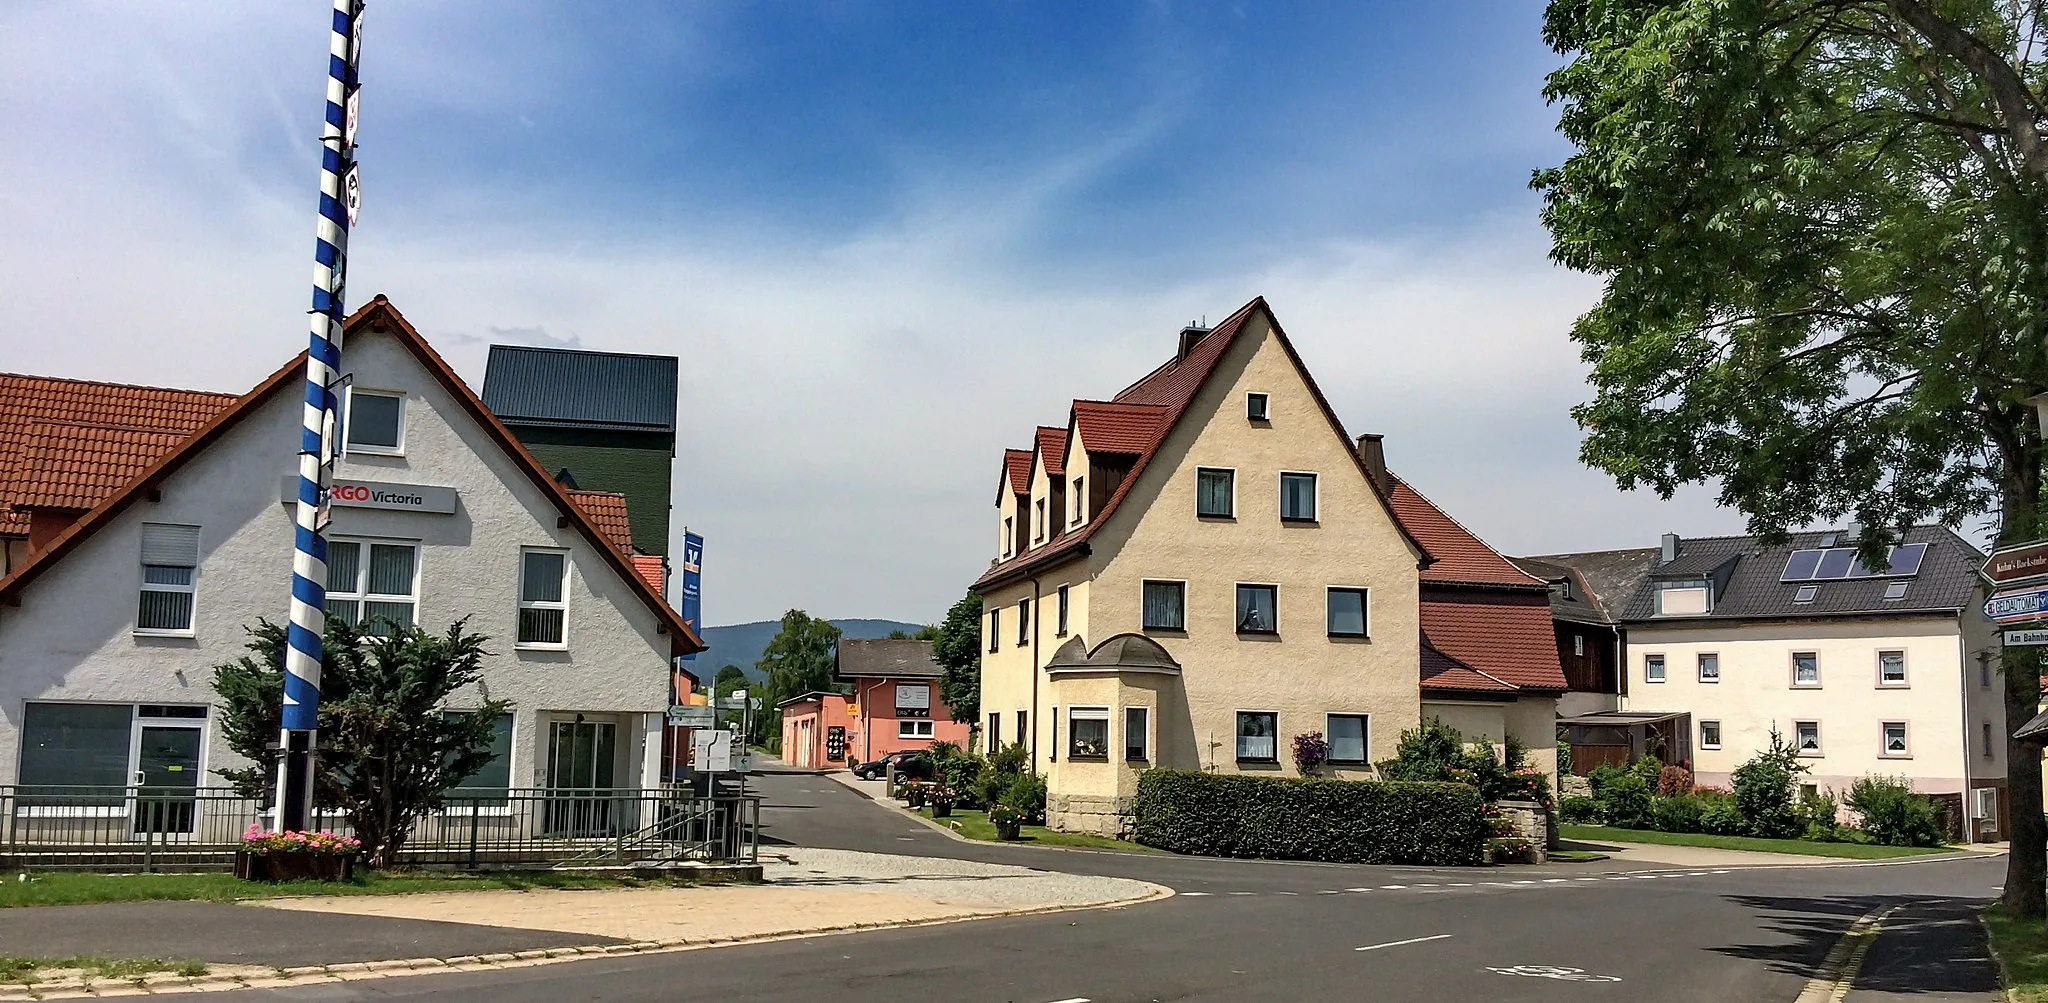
[2024,638]
[2019,573]
[2018,606]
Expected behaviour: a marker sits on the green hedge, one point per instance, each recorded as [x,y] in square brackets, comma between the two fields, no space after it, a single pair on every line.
[1341,821]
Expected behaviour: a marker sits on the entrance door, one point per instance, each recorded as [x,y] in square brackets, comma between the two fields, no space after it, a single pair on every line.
[167,778]
[581,758]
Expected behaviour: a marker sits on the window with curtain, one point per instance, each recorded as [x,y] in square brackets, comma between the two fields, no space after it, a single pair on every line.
[1137,734]
[1710,734]
[543,597]
[1215,493]
[1710,668]
[75,754]
[489,786]
[170,559]
[1258,737]
[1166,606]
[1806,737]
[1298,497]
[1347,738]
[1258,609]
[1088,733]
[1891,668]
[1806,668]
[1895,738]
[1347,612]
[372,584]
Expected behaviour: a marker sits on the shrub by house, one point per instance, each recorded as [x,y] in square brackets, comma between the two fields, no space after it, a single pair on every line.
[1341,821]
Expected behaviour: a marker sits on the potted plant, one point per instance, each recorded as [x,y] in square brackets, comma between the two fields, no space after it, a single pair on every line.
[1311,751]
[940,795]
[1008,819]
[296,856]
[914,794]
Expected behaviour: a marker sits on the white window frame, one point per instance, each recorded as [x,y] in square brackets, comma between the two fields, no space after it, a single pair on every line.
[192,589]
[136,722]
[1905,680]
[349,423]
[1700,667]
[1905,733]
[361,595]
[1578,645]
[1039,518]
[1365,599]
[1819,744]
[1199,471]
[1009,534]
[1715,745]
[910,724]
[1265,413]
[1183,583]
[1074,487]
[1663,667]
[1124,733]
[524,604]
[1315,495]
[1089,712]
[1366,728]
[1793,668]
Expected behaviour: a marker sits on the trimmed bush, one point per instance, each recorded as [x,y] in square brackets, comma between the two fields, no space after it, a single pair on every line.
[1676,813]
[1893,814]
[1721,816]
[1339,821]
[1602,776]
[1625,801]
[1579,808]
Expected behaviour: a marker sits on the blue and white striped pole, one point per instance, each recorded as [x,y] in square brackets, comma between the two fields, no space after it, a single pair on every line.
[323,367]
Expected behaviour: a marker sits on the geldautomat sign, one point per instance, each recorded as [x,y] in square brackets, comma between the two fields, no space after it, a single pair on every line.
[373,494]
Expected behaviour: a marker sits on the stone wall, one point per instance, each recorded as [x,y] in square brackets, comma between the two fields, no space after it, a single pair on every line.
[1092,813]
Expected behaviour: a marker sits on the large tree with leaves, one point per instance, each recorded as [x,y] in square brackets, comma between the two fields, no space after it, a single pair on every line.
[1823,229]
[797,660]
[956,646]
[389,750]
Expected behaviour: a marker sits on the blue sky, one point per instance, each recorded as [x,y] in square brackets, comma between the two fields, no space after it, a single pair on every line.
[886,240]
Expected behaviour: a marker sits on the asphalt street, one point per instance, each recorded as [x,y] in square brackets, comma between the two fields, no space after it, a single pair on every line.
[1256,930]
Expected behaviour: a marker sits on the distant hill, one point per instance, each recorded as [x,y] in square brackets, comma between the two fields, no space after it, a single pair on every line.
[741,644]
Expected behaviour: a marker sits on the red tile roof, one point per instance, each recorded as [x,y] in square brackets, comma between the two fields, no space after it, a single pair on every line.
[44,416]
[1460,555]
[1052,447]
[651,571]
[1502,636]
[1167,389]
[1017,467]
[377,315]
[607,509]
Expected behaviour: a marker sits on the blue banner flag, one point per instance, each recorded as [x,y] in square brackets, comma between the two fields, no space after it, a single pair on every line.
[693,585]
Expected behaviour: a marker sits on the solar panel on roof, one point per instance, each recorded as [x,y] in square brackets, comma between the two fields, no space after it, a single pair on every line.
[1835,563]
[1799,567]
[1906,560]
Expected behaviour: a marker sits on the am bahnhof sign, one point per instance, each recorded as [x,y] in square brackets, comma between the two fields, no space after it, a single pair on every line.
[374,494]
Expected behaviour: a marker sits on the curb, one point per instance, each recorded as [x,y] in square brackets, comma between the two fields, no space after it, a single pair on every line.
[2005,987]
[356,971]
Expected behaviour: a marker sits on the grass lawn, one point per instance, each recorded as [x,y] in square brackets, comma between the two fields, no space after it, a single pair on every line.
[29,970]
[1856,851]
[67,887]
[2022,953]
[975,825]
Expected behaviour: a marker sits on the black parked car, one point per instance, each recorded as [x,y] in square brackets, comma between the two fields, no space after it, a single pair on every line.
[911,764]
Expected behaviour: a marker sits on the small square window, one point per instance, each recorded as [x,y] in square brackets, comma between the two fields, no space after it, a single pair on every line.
[1258,738]
[1806,593]
[376,421]
[1805,668]
[1088,733]
[1895,590]
[1258,609]
[1710,734]
[1215,493]
[1166,606]
[1806,737]
[1255,407]
[1891,668]
[1895,739]
[1653,668]
[1710,668]
[1347,612]
[1298,497]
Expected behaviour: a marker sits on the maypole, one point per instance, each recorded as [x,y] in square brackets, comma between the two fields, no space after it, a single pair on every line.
[316,446]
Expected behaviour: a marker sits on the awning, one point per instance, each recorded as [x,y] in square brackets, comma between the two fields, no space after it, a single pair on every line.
[1623,719]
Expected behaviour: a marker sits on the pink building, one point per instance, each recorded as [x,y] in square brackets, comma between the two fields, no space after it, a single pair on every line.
[894,704]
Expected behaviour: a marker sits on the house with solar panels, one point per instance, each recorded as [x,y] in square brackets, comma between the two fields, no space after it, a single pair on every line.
[1864,670]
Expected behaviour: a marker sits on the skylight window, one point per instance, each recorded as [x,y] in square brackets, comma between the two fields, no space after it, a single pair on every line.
[1895,590]
[1806,593]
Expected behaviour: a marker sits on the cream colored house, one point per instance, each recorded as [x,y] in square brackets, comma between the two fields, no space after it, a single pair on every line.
[1195,572]
[1864,672]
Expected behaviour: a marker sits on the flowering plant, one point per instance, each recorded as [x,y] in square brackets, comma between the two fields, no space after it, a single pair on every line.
[255,840]
[1005,813]
[1311,751]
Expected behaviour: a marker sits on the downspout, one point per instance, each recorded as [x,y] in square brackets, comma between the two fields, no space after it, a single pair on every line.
[1036,716]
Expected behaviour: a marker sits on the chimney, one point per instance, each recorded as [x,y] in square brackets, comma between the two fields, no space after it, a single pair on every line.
[1189,335]
[1373,454]
[1670,551]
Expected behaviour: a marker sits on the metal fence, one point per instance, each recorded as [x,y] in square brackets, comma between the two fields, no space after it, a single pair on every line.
[150,828]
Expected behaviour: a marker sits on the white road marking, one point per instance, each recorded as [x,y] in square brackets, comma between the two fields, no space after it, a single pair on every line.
[1555,972]
[1461,884]
[1244,893]
[1617,877]
[1392,887]
[1554,881]
[1286,893]
[1077,999]
[1697,874]
[1720,872]
[1364,889]
[1195,895]
[1589,879]
[1398,943]
[1525,882]
[1427,885]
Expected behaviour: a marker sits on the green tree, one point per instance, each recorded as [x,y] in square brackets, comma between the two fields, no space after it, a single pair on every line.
[731,679]
[389,753]
[956,646]
[1823,231]
[797,660]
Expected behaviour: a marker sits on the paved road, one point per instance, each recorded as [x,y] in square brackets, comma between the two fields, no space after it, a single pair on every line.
[1249,930]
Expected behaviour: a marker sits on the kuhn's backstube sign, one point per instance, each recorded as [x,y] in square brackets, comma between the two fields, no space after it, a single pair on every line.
[2018,563]
[373,494]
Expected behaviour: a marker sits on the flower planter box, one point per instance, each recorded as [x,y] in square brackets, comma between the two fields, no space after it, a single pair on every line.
[1009,831]
[942,810]
[287,865]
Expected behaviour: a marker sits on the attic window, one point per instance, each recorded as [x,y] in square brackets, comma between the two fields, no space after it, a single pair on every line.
[1685,598]
[1895,590]
[1564,590]
[1255,407]
[1806,593]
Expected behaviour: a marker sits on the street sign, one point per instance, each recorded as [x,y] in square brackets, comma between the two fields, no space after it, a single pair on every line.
[352,193]
[2018,606]
[689,716]
[2023,638]
[713,751]
[2021,562]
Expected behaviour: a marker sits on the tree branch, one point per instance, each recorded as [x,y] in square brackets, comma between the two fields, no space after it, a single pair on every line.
[2017,106]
